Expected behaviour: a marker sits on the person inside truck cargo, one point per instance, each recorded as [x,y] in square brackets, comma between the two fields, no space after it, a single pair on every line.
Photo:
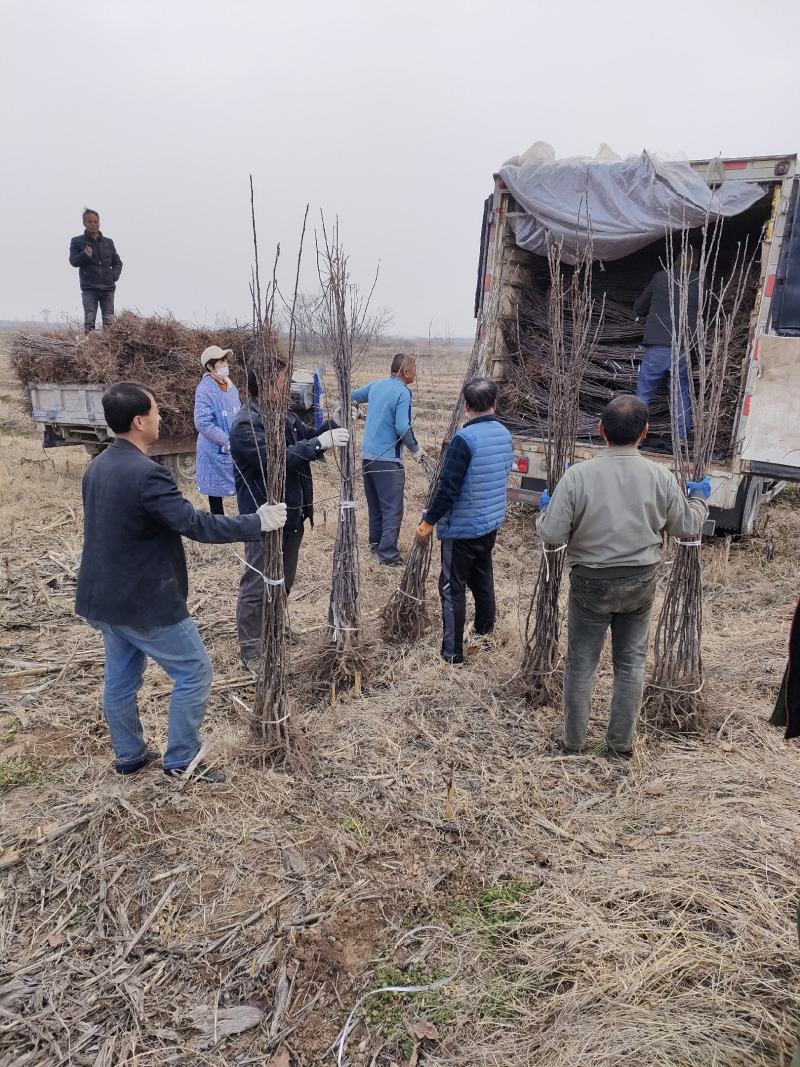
[99,268]
[657,361]
[216,401]
[132,583]
[610,514]
[467,509]
[387,429]
[249,452]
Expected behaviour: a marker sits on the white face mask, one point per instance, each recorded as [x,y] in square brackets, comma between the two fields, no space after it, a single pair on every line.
[223,372]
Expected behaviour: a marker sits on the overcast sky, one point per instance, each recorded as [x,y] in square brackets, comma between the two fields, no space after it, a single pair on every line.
[391,115]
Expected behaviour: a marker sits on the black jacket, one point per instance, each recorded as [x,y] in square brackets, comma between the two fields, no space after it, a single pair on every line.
[133,568]
[248,442]
[102,269]
[654,302]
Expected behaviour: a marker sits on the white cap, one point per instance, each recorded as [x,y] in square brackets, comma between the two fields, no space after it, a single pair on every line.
[214,352]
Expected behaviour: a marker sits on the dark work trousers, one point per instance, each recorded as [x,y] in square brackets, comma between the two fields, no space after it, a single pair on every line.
[215,505]
[384,484]
[251,589]
[595,604]
[91,298]
[466,564]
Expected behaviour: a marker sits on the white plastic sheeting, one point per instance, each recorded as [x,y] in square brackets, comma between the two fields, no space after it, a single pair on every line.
[631,201]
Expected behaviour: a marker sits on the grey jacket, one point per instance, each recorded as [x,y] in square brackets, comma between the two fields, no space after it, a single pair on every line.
[613,509]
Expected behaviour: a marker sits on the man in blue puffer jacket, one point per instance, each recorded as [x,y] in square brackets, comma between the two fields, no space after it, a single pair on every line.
[468,508]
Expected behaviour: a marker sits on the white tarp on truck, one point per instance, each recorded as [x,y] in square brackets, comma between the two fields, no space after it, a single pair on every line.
[631,202]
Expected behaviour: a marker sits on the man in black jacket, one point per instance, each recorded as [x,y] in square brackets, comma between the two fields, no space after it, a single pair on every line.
[99,268]
[248,452]
[656,365]
[132,584]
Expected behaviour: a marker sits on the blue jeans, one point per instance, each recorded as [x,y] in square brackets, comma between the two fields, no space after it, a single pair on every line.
[91,298]
[656,365]
[384,484]
[180,651]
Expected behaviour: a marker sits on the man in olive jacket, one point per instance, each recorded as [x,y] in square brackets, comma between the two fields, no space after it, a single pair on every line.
[99,268]
[609,514]
[132,584]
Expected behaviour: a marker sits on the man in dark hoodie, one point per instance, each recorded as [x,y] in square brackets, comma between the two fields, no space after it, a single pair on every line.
[248,452]
[99,268]
[657,362]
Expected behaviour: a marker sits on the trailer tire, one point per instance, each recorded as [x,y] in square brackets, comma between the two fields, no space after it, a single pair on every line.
[183,466]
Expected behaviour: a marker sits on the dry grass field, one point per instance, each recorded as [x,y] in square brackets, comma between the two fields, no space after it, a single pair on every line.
[555,912]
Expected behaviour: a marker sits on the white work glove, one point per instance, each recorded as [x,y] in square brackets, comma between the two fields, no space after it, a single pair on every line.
[418,454]
[273,517]
[337,438]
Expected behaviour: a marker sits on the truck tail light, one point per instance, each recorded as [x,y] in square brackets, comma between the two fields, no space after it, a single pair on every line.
[520,464]
[736,164]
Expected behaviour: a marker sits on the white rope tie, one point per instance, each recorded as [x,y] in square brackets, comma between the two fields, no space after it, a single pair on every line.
[249,710]
[688,544]
[264,578]
[345,505]
[550,551]
[409,595]
[671,689]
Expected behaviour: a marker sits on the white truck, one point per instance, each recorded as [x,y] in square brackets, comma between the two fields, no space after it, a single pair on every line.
[765,446]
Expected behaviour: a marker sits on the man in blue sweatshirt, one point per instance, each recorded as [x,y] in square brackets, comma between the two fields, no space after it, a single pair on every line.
[468,508]
[388,428]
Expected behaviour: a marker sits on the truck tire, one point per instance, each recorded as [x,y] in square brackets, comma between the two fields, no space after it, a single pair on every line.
[740,520]
[95,450]
[183,466]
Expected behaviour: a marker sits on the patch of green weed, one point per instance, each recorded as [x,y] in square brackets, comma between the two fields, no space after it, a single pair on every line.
[20,770]
[356,826]
[388,1012]
[8,727]
[495,911]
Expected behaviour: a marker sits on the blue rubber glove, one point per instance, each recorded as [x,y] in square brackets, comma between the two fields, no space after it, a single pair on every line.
[544,500]
[702,488]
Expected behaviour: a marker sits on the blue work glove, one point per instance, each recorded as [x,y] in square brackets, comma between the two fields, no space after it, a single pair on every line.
[544,499]
[702,488]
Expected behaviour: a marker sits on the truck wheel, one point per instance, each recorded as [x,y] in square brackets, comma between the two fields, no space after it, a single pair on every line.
[183,465]
[742,517]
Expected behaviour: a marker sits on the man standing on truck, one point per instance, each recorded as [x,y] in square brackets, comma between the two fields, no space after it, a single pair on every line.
[249,455]
[132,584]
[468,508]
[611,513]
[658,333]
[388,428]
[99,268]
